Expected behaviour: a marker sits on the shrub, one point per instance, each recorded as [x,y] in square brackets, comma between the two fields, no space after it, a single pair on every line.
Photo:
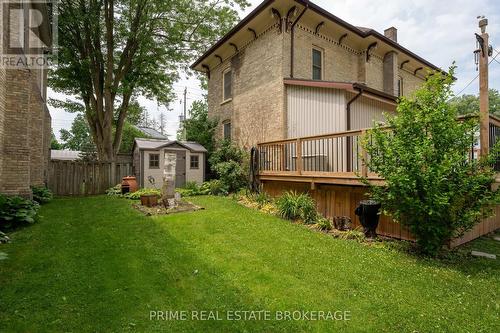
[214,187]
[293,206]
[231,164]
[324,224]
[144,191]
[115,191]
[432,185]
[307,208]
[41,194]
[262,199]
[287,206]
[190,189]
[193,186]
[16,211]
[354,234]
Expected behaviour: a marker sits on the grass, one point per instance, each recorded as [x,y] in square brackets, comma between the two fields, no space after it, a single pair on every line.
[96,265]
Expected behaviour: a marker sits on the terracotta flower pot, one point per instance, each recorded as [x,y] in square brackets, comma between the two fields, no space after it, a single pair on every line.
[129,185]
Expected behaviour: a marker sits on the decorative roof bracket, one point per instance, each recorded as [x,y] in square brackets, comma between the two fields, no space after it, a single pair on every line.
[235,47]
[253,32]
[319,26]
[342,38]
[370,47]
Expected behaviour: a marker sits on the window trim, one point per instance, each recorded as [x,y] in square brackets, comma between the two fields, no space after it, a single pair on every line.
[224,99]
[322,68]
[197,161]
[400,86]
[150,160]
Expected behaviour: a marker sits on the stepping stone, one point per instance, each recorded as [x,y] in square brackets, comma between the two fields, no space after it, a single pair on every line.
[497,239]
[483,255]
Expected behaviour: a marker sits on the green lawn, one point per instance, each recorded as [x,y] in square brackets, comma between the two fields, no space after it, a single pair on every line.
[96,265]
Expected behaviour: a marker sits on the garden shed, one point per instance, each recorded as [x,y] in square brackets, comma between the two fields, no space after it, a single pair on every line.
[149,161]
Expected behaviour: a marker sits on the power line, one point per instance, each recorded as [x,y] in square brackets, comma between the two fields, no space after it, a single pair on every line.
[498,52]
[474,79]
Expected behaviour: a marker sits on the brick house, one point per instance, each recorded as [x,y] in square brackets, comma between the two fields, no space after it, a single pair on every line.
[25,122]
[292,69]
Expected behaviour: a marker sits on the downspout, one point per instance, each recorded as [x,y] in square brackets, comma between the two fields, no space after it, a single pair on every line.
[348,128]
[292,37]
[348,116]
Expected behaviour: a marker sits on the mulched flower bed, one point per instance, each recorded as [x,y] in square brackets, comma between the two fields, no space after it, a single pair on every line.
[182,207]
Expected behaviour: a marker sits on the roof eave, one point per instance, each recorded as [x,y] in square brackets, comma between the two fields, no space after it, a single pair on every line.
[233,31]
[367,33]
[348,86]
[324,13]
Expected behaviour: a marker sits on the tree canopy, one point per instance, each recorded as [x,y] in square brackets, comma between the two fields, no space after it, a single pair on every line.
[199,127]
[433,186]
[469,104]
[111,51]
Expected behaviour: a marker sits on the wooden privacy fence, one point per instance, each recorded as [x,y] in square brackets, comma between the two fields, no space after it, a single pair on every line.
[70,178]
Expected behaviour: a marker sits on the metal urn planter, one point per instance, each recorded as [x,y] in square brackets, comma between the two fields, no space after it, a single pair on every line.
[368,212]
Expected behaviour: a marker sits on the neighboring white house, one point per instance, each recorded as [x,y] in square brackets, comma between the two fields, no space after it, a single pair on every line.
[149,158]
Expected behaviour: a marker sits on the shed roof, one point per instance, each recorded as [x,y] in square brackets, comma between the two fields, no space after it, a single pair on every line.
[157,144]
[152,133]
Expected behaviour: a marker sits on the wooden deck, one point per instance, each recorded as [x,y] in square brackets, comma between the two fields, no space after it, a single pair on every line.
[329,167]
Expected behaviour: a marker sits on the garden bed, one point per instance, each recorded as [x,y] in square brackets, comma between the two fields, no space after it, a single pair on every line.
[181,207]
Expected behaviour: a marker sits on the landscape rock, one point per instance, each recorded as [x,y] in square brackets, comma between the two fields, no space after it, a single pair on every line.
[483,255]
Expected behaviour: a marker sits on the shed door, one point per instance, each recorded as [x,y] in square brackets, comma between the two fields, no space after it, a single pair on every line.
[180,169]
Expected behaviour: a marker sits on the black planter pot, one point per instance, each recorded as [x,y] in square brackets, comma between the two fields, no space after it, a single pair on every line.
[368,212]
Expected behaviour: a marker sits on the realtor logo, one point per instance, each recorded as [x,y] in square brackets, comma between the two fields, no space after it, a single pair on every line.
[28,31]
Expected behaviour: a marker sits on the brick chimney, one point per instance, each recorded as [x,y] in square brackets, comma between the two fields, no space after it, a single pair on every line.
[391,33]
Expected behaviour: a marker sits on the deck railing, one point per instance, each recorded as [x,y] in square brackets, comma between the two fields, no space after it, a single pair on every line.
[331,155]
[495,136]
[338,154]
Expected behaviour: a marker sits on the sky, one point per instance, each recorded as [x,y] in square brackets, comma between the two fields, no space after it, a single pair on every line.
[439,31]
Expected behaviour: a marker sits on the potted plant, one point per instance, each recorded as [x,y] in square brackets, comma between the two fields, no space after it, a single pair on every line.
[150,199]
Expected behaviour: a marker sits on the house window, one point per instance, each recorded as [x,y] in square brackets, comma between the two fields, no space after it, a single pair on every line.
[228,85]
[400,86]
[227,131]
[194,162]
[154,161]
[317,64]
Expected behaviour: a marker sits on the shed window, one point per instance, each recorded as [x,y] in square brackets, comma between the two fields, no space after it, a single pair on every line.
[194,162]
[228,85]
[317,64]
[154,161]
[227,131]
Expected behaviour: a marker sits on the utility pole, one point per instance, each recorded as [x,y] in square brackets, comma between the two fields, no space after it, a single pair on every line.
[162,123]
[484,109]
[185,114]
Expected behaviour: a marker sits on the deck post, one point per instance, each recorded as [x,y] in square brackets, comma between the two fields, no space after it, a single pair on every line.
[299,156]
[364,158]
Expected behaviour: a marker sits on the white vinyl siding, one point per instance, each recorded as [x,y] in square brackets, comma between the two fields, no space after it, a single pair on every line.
[365,111]
[314,111]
